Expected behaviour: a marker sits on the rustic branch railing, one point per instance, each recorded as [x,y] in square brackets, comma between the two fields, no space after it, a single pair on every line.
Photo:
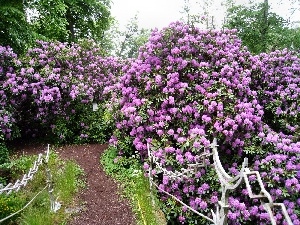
[8,189]
[27,177]
[228,184]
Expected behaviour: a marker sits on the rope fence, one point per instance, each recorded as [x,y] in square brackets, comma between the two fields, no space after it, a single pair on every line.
[228,184]
[8,189]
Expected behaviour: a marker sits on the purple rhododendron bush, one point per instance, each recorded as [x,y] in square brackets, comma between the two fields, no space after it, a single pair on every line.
[7,112]
[50,92]
[278,87]
[189,86]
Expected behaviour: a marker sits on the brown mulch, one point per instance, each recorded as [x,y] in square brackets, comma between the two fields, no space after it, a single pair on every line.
[102,204]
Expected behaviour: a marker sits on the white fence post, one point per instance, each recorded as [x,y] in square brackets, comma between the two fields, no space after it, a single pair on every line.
[54,205]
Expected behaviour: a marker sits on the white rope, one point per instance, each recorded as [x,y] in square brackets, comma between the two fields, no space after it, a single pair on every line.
[181,202]
[24,206]
[176,175]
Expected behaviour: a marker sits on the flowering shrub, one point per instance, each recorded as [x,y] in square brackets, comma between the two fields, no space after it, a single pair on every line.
[7,110]
[8,113]
[53,87]
[63,91]
[278,85]
[187,87]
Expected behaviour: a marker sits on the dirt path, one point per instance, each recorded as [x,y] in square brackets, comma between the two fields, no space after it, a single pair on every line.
[102,203]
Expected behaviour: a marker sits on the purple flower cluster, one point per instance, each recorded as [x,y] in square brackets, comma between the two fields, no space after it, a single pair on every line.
[8,113]
[277,81]
[54,83]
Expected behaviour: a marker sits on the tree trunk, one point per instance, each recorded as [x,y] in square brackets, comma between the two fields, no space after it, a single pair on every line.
[70,26]
[265,26]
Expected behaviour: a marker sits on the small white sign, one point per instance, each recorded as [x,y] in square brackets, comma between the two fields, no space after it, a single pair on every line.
[95,107]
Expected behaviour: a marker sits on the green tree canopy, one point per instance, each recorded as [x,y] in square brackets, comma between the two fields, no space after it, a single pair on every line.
[71,20]
[22,22]
[14,28]
[260,29]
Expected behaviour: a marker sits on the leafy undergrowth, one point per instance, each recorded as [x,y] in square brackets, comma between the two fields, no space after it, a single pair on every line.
[67,181]
[134,185]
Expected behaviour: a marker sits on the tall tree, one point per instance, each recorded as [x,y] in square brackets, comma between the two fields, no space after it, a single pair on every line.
[199,13]
[22,22]
[71,20]
[126,43]
[14,28]
[87,18]
[49,19]
[260,29]
[265,25]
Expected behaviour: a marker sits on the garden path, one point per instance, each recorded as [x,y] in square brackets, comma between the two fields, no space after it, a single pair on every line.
[102,204]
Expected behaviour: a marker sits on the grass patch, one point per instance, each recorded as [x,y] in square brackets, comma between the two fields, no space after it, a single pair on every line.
[135,186]
[66,179]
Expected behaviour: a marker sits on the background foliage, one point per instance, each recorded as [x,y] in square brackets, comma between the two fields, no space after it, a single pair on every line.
[260,29]
[24,22]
